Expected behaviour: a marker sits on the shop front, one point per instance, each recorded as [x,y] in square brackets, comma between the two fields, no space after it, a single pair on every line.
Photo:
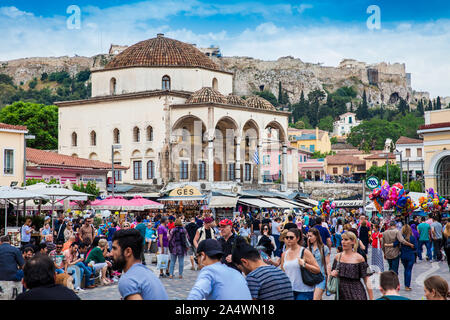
[187,201]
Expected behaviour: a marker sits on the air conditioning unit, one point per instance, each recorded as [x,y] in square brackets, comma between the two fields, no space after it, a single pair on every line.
[236,189]
[157,181]
[203,186]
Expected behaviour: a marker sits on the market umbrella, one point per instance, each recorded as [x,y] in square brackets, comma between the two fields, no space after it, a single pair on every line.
[56,192]
[138,201]
[111,203]
[16,195]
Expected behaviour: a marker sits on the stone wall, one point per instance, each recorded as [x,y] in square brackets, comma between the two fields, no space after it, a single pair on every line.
[319,190]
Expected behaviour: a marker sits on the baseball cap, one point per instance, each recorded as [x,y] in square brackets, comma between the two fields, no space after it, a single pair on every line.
[210,247]
[226,222]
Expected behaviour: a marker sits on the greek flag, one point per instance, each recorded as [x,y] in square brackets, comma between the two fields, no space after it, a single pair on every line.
[256,157]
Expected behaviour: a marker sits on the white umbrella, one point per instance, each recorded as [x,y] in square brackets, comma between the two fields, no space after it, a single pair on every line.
[15,195]
[56,192]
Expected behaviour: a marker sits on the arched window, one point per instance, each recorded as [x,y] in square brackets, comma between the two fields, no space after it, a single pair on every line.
[74,139]
[112,86]
[93,138]
[150,169]
[215,84]
[116,134]
[149,133]
[136,134]
[166,83]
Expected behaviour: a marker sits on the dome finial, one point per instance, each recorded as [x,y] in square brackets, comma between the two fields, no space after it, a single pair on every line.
[160,35]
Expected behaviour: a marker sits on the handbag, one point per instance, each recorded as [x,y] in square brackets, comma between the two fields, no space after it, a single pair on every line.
[309,278]
[333,282]
[162,261]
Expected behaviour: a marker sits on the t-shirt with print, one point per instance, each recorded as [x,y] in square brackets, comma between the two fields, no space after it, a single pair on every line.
[269,283]
[162,230]
[25,237]
[58,258]
[140,280]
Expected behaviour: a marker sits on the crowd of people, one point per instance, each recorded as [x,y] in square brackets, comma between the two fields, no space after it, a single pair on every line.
[262,256]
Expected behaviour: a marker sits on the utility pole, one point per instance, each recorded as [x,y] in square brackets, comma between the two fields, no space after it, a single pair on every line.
[407,168]
[113,147]
[423,177]
[387,167]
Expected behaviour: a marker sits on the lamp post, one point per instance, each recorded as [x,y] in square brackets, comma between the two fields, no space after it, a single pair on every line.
[25,138]
[401,165]
[113,147]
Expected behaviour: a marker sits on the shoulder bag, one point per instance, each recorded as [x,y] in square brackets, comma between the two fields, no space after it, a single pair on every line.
[309,278]
[333,282]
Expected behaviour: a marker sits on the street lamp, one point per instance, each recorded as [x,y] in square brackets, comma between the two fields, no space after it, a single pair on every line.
[113,147]
[401,165]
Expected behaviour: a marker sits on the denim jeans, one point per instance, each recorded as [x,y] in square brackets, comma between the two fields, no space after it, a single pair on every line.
[277,252]
[437,254]
[304,295]
[427,245]
[87,271]
[393,264]
[173,259]
[408,265]
[254,238]
[58,271]
[338,239]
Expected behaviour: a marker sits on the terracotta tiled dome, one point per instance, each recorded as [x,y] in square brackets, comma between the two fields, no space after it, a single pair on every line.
[207,95]
[235,100]
[161,51]
[259,103]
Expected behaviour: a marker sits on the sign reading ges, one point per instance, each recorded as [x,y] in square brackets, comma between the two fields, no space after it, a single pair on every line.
[187,191]
[372,182]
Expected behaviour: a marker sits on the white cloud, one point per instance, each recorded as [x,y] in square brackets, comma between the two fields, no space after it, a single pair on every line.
[304,6]
[423,47]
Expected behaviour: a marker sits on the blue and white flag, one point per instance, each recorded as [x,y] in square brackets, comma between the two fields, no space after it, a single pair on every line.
[256,156]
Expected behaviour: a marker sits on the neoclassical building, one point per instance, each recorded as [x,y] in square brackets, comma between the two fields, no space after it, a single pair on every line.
[172,112]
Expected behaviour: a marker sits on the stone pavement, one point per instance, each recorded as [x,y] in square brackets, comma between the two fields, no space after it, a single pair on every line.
[178,289]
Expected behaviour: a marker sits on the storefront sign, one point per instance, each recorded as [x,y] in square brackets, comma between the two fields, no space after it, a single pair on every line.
[187,191]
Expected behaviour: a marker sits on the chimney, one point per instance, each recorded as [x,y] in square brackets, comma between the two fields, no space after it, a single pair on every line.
[160,35]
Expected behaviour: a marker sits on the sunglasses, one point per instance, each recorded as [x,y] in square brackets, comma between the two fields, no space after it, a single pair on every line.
[289,237]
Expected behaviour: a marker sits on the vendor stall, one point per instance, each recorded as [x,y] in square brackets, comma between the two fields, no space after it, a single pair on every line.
[187,201]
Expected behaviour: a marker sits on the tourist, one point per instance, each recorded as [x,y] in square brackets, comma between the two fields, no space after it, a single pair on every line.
[436,288]
[96,260]
[142,228]
[276,231]
[363,235]
[266,240]
[42,249]
[264,281]
[58,258]
[290,223]
[150,235]
[25,232]
[436,234]
[322,255]
[255,230]
[390,286]
[87,232]
[69,232]
[27,253]
[350,267]
[324,233]
[59,227]
[49,243]
[46,230]
[204,232]
[245,232]
[291,261]
[39,280]
[74,259]
[11,260]
[191,229]
[137,281]
[339,231]
[446,238]
[163,243]
[68,242]
[408,255]
[216,281]
[424,239]
[391,252]
[178,246]
[226,241]
[377,252]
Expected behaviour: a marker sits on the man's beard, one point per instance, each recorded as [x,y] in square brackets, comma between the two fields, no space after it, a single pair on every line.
[119,263]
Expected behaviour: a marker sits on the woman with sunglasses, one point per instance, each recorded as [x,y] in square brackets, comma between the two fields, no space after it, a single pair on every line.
[69,232]
[322,255]
[291,262]
[266,240]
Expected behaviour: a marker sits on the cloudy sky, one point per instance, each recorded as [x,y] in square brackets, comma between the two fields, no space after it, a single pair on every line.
[413,32]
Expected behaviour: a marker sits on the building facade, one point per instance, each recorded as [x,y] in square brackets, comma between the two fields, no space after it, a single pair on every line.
[412,156]
[170,111]
[12,139]
[344,125]
[272,165]
[310,140]
[436,143]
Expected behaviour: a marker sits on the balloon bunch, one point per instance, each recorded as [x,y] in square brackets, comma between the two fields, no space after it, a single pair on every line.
[393,197]
[325,207]
[433,202]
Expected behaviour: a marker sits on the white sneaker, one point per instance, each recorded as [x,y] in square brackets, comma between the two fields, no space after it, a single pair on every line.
[79,289]
[115,279]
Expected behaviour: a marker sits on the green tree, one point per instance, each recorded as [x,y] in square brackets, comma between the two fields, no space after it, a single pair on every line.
[420,110]
[299,125]
[6,79]
[410,124]
[315,98]
[372,134]
[438,103]
[44,76]
[89,188]
[41,121]
[403,106]
[362,113]
[83,76]
[300,109]
[334,140]
[326,124]
[268,96]
[32,84]
[414,186]
[380,173]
